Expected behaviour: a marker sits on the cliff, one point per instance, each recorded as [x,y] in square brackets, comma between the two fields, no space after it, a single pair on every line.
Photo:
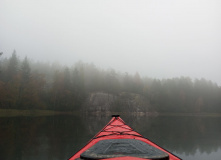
[98,102]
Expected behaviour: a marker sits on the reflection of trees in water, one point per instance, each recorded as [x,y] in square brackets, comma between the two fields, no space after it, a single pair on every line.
[17,136]
[95,123]
[26,138]
[182,134]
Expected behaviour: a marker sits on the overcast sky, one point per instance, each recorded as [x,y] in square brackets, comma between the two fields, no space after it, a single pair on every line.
[157,38]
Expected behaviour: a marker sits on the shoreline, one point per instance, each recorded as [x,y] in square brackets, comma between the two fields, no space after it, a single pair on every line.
[203,114]
[35,113]
[32,113]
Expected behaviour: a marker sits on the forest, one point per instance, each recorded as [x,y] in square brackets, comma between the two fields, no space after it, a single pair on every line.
[29,85]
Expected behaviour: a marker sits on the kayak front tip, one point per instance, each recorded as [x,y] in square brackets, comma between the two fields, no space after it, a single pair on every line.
[118,141]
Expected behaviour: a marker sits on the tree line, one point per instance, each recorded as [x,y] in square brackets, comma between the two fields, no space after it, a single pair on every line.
[25,84]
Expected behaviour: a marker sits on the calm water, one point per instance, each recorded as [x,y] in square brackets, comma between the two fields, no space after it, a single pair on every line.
[59,137]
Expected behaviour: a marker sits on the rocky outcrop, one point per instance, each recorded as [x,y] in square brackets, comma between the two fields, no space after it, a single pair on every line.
[99,101]
[123,102]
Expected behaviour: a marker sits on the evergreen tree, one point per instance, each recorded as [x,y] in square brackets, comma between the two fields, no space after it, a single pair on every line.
[24,88]
[25,71]
[12,67]
[1,67]
[0,60]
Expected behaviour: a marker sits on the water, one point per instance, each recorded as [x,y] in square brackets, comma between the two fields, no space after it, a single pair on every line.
[59,137]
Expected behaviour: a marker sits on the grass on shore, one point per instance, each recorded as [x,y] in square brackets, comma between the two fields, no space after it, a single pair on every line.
[16,112]
[203,114]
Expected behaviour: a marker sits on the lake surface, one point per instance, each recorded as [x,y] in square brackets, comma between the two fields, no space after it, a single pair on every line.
[59,137]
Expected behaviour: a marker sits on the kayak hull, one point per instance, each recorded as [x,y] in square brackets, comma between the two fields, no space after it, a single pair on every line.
[123,142]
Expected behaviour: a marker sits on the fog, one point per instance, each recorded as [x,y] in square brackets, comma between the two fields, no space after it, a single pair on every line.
[157,38]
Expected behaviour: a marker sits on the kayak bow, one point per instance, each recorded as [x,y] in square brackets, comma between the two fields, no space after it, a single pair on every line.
[118,141]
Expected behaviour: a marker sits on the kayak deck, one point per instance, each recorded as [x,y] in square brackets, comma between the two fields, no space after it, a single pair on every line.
[123,147]
[119,141]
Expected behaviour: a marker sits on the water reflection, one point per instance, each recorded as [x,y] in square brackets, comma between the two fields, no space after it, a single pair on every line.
[59,137]
[33,138]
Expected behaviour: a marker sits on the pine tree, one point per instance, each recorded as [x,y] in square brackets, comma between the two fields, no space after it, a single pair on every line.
[25,71]
[12,67]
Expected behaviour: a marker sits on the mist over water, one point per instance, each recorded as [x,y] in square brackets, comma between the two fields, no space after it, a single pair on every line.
[159,39]
[146,56]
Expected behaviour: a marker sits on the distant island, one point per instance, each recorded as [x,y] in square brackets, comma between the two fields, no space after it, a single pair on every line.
[28,85]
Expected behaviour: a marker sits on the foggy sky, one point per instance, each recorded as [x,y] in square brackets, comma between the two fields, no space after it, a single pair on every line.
[157,38]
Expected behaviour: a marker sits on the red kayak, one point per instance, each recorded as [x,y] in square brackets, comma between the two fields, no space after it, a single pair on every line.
[118,141]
